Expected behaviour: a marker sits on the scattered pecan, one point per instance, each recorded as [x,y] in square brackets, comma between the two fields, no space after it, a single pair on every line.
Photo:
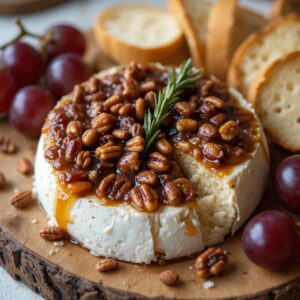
[164,146]
[129,162]
[21,199]
[131,87]
[79,187]
[206,87]
[211,262]
[104,122]
[73,176]
[108,151]
[126,109]
[113,186]
[77,93]
[144,197]
[116,108]
[217,102]
[6,145]
[74,128]
[186,125]
[84,159]
[158,162]
[106,264]
[207,110]
[184,146]
[218,119]
[136,144]
[25,166]
[111,101]
[120,134]
[93,84]
[147,86]
[74,146]
[2,180]
[150,100]
[229,130]
[184,109]
[89,137]
[52,233]
[98,96]
[212,151]
[136,129]
[148,177]
[172,193]
[169,277]
[140,107]
[207,132]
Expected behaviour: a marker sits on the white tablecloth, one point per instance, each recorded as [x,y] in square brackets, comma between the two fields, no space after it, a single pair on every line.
[82,14]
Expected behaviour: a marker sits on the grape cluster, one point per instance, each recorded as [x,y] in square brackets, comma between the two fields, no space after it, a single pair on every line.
[32,80]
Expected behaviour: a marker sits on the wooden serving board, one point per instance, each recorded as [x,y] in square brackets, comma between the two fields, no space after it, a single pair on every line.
[71,274]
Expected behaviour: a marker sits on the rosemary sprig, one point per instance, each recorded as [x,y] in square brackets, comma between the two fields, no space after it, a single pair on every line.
[166,99]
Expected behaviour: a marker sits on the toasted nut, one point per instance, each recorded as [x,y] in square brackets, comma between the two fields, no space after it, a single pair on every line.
[77,93]
[79,187]
[106,264]
[186,125]
[52,233]
[109,151]
[229,130]
[212,151]
[186,189]
[21,199]
[147,177]
[207,110]
[136,129]
[129,162]
[74,128]
[218,119]
[140,108]
[6,145]
[169,277]
[211,262]
[74,146]
[25,166]
[217,102]
[2,180]
[90,137]
[184,109]
[131,87]
[98,96]
[111,101]
[126,110]
[208,84]
[136,144]
[120,134]
[184,146]
[84,159]
[104,122]
[164,146]
[147,86]
[144,197]
[172,192]
[73,176]
[115,108]
[207,132]
[158,162]
[175,171]
[150,99]
[93,84]
[237,155]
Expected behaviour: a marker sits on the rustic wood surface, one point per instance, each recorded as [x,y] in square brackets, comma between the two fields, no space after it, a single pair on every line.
[13,7]
[70,273]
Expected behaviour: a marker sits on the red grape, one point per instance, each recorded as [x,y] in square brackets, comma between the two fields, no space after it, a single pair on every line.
[30,108]
[23,62]
[286,183]
[270,240]
[65,71]
[65,38]
[8,89]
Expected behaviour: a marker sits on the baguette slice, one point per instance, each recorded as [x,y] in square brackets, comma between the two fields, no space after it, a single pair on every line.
[228,26]
[193,17]
[275,95]
[259,50]
[136,32]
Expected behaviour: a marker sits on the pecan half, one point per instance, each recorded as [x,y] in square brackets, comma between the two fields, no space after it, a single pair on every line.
[79,187]
[106,264]
[164,146]
[104,122]
[212,151]
[129,162]
[211,262]
[131,87]
[158,162]
[229,130]
[84,159]
[25,166]
[120,134]
[52,233]
[218,120]
[147,177]
[89,137]
[186,189]
[21,199]
[74,146]
[136,129]
[136,144]
[207,132]
[77,94]
[186,125]
[113,100]
[74,128]
[169,277]
[184,109]
[144,197]
[217,102]
[140,107]
[172,192]
[108,151]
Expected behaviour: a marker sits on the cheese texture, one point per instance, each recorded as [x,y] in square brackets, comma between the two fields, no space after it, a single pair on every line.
[224,203]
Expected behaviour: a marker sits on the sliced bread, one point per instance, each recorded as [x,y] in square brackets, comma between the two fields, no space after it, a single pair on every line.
[228,26]
[137,32]
[193,17]
[259,50]
[275,95]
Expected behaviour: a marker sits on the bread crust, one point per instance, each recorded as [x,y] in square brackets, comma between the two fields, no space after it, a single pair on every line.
[258,86]
[235,75]
[280,8]
[196,46]
[170,53]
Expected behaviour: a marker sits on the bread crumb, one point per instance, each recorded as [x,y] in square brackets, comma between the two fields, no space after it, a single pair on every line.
[209,284]
[34,221]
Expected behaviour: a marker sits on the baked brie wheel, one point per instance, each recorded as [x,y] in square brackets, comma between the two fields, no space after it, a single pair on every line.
[201,180]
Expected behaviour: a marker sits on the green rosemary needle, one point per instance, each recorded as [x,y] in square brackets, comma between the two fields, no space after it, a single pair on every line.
[166,99]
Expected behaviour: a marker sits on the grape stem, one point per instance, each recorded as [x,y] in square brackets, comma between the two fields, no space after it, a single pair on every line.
[44,39]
